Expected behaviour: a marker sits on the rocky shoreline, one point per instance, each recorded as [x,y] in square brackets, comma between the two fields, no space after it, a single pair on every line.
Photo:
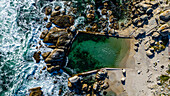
[148,27]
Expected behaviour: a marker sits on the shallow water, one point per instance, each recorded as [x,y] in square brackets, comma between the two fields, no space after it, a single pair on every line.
[91,52]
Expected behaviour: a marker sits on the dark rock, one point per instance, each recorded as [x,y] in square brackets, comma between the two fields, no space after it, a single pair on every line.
[45,18]
[44,68]
[35,91]
[149,11]
[53,35]
[49,24]
[165,16]
[36,57]
[104,11]
[63,21]
[48,10]
[44,55]
[55,13]
[43,34]
[55,55]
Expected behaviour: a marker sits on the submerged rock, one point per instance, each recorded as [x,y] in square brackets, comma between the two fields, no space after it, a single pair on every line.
[48,10]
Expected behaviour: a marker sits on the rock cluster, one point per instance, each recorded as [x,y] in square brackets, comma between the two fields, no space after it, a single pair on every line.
[59,39]
[149,26]
[35,91]
[79,85]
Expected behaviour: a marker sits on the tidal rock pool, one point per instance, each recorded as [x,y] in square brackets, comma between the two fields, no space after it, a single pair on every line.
[91,52]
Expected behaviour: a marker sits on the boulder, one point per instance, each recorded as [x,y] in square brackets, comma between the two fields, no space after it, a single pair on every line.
[84,87]
[149,53]
[165,16]
[105,85]
[144,17]
[149,11]
[45,18]
[112,31]
[152,42]
[69,84]
[135,48]
[95,85]
[35,91]
[74,79]
[90,16]
[147,45]
[144,7]
[164,30]
[63,21]
[57,55]
[102,74]
[49,24]
[37,57]
[104,11]
[155,35]
[57,8]
[53,68]
[48,10]
[43,34]
[135,21]
[45,54]
[53,35]
[55,13]
[64,40]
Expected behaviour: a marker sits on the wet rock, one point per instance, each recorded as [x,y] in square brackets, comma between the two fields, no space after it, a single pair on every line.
[63,21]
[49,24]
[90,16]
[53,68]
[45,18]
[84,87]
[44,55]
[104,11]
[74,79]
[35,91]
[53,35]
[64,40]
[52,46]
[55,55]
[69,84]
[37,57]
[149,53]
[55,13]
[57,8]
[165,16]
[43,34]
[48,10]
[149,11]
[44,68]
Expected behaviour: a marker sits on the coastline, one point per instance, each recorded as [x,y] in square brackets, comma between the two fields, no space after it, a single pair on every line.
[128,59]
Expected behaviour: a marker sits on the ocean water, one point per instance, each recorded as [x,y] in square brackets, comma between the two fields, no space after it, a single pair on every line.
[20,26]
